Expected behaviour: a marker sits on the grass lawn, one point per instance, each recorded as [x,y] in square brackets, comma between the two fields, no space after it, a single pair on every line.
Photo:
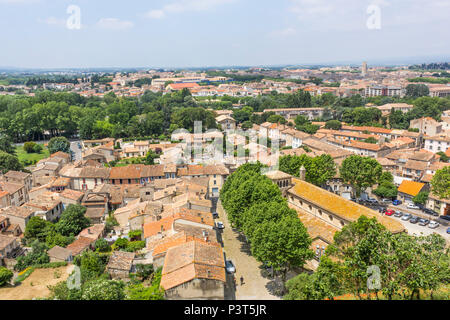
[33,157]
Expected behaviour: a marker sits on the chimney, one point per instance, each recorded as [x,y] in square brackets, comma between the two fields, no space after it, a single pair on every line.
[302,174]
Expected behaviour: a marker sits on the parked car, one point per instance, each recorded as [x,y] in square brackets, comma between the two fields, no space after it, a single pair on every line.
[433,225]
[428,211]
[229,266]
[406,217]
[448,230]
[215,215]
[220,225]
[386,201]
[371,200]
[412,206]
[414,220]
[390,212]
[398,214]
[423,222]
[445,218]
[396,202]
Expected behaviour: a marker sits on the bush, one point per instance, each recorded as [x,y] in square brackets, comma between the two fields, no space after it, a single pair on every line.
[23,275]
[101,245]
[5,276]
[29,147]
[135,246]
[37,148]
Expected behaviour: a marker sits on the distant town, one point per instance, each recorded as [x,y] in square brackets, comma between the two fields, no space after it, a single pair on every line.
[250,183]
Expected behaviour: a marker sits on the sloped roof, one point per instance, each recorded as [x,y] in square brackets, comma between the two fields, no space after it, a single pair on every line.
[411,188]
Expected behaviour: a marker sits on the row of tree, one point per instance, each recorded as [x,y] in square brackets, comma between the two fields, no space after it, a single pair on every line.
[255,207]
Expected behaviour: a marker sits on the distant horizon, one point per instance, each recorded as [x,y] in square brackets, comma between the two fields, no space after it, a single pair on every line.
[395,62]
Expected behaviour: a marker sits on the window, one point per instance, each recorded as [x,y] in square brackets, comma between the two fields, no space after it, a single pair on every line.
[331,217]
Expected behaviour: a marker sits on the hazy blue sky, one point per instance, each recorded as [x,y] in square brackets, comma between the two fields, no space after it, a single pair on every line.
[191,33]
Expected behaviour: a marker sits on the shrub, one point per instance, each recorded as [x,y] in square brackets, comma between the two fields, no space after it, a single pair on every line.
[5,276]
[29,147]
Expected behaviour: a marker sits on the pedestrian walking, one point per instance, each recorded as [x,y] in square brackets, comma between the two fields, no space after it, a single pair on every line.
[242,280]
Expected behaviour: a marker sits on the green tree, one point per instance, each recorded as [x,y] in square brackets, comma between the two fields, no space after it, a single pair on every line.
[443,157]
[417,90]
[421,198]
[9,162]
[73,220]
[29,147]
[333,124]
[101,245]
[59,144]
[282,244]
[103,290]
[440,184]
[360,172]
[38,255]
[6,146]
[37,228]
[5,276]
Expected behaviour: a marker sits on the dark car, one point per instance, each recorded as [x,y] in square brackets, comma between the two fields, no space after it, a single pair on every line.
[423,222]
[445,218]
[414,220]
[396,202]
[448,230]
[372,201]
[229,265]
[215,215]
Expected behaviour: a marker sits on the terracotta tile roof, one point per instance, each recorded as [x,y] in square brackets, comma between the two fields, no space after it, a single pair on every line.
[316,227]
[59,253]
[192,260]
[120,260]
[339,206]
[60,154]
[6,241]
[80,245]
[94,172]
[415,165]
[59,182]
[72,194]
[94,232]
[411,188]
[21,212]
[153,228]
[93,213]
[17,175]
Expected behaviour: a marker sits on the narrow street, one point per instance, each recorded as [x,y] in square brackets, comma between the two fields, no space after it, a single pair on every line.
[255,286]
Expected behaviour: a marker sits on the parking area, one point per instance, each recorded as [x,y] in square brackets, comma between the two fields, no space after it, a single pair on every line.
[411,228]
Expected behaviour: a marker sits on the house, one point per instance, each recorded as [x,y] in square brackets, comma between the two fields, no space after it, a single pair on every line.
[438,205]
[409,189]
[437,143]
[194,270]
[69,196]
[94,232]
[9,247]
[18,194]
[20,178]
[59,254]
[120,265]
[47,205]
[331,209]
[427,126]
[362,148]
[226,122]
[18,215]
[80,245]
[45,172]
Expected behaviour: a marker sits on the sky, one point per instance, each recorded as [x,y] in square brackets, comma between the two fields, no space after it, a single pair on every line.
[206,33]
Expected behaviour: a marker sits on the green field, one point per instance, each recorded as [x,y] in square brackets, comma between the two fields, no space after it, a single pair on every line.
[28,159]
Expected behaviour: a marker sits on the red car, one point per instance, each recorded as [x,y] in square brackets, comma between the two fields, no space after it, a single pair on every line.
[389,212]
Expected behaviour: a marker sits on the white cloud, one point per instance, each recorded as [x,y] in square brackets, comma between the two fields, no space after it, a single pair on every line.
[114,24]
[186,6]
[155,14]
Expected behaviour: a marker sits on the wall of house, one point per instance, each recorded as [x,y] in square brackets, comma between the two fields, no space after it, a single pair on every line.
[197,289]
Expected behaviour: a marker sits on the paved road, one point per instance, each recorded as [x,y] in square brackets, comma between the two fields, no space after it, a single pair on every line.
[416,229]
[255,286]
[76,151]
